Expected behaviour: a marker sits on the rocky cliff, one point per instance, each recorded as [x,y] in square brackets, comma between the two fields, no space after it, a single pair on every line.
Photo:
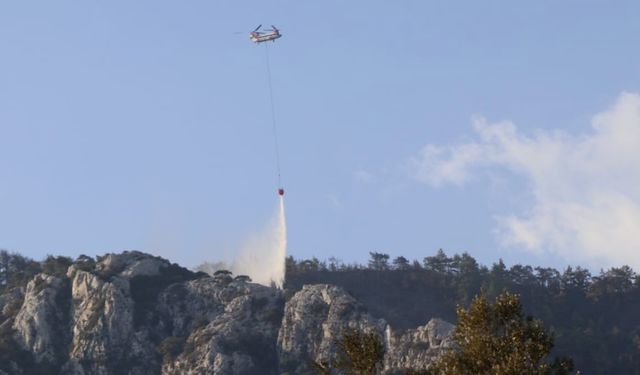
[132,313]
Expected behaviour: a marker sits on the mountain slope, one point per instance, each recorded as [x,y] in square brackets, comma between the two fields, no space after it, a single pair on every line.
[139,314]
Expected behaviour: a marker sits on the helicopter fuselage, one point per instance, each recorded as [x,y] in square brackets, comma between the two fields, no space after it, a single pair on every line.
[260,38]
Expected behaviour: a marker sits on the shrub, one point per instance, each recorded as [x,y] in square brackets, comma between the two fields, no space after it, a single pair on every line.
[170,348]
[56,265]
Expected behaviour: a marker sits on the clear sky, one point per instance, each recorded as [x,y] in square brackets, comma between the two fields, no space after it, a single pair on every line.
[146,125]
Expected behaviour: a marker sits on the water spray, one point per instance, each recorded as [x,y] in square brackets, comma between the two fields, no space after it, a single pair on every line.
[263,254]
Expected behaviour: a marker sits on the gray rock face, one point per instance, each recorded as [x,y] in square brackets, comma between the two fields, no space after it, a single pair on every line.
[132,313]
[131,264]
[101,323]
[230,328]
[314,319]
[39,325]
[417,348]
[104,338]
[318,315]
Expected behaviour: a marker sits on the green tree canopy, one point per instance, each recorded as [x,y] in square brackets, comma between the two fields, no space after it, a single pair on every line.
[378,261]
[358,353]
[498,340]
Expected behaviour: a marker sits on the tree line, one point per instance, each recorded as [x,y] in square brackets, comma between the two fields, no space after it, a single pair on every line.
[593,317]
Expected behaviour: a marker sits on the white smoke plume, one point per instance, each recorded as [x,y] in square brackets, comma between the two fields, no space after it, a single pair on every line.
[584,189]
[262,256]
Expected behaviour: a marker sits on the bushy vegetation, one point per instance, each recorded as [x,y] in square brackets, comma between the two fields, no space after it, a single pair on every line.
[16,270]
[594,318]
[358,353]
[56,265]
[170,348]
[490,339]
[497,339]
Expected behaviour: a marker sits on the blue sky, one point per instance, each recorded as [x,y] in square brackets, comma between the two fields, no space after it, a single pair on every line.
[146,125]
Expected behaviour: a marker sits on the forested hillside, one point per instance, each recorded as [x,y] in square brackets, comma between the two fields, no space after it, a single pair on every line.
[135,313]
[595,318]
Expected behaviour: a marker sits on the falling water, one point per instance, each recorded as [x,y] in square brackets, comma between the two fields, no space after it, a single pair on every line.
[262,257]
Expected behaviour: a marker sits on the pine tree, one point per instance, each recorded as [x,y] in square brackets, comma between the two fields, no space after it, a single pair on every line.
[498,340]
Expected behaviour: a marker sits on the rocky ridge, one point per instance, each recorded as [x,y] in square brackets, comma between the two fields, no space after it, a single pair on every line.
[139,314]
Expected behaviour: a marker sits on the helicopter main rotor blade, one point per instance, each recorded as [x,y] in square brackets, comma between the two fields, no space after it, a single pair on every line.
[257,28]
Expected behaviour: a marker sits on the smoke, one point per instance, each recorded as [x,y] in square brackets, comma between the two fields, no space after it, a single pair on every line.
[262,256]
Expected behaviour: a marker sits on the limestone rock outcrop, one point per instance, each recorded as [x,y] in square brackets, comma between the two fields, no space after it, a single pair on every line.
[228,327]
[39,325]
[133,313]
[417,348]
[314,319]
[317,316]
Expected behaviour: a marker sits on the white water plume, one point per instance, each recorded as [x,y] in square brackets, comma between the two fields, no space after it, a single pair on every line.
[262,257]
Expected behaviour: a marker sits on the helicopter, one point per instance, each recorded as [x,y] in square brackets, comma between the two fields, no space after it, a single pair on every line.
[260,36]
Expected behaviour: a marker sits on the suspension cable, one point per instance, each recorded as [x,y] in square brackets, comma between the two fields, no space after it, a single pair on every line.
[273,114]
